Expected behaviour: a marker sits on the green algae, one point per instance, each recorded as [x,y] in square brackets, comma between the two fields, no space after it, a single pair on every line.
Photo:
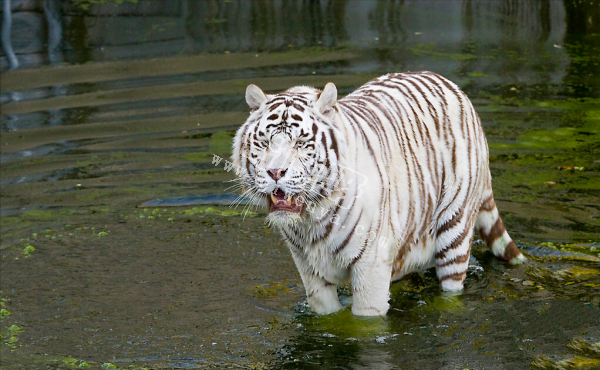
[219,211]
[569,274]
[28,250]
[4,313]
[413,283]
[560,138]
[220,144]
[272,289]
[445,302]
[14,329]
[9,336]
[567,252]
[90,196]
[62,214]
[108,365]
[591,250]
[37,361]
[433,50]
[585,345]
[575,273]
[478,74]
[551,162]
[76,363]
[565,363]
[346,326]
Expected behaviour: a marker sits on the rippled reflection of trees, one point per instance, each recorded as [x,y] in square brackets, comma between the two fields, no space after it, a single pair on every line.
[583,19]
[387,27]
[262,25]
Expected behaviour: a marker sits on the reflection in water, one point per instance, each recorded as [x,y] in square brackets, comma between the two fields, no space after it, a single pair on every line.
[266,25]
[135,97]
[6,35]
[54,53]
[149,28]
[53,18]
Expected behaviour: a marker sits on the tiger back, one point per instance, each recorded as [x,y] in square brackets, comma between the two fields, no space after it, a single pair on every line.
[366,189]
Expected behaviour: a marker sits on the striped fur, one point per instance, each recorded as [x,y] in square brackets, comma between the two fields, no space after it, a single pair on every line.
[391,178]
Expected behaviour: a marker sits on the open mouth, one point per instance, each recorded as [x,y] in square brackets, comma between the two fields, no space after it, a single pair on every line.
[280,202]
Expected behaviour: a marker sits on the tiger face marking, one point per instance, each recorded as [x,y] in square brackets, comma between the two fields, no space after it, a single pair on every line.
[288,162]
[366,189]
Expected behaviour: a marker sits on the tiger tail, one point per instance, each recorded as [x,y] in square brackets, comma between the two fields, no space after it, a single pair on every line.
[492,231]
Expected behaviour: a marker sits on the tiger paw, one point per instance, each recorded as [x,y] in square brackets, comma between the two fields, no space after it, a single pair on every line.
[518,260]
[325,309]
[451,285]
[325,302]
[370,311]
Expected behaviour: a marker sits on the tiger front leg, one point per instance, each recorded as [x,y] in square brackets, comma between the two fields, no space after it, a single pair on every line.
[371,279]
[322,297]
[321,294]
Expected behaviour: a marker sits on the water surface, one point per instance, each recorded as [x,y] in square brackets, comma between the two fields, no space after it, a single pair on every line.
[138,97]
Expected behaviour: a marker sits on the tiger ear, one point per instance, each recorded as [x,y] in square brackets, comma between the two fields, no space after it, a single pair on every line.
[255,96]
[327,98]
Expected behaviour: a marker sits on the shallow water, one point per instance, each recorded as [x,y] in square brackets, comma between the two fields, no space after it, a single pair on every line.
[142,95]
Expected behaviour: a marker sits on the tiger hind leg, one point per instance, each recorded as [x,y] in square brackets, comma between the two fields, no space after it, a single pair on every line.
[452,251]
[492,231]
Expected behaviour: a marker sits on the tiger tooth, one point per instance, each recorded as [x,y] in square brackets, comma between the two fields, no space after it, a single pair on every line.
[273,199]
[289,200]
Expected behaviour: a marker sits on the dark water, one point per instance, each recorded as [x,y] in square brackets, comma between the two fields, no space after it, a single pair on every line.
[118,103]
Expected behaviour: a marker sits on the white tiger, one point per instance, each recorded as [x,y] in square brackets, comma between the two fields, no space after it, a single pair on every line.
[366,189]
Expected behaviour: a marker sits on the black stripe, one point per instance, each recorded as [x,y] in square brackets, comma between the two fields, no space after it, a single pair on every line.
[455,244]
[451,222]
[348,237]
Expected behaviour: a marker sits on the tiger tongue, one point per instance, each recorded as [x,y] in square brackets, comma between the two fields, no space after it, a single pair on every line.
[279,198]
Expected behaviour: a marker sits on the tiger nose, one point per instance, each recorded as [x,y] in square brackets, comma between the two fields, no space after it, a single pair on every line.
[277,173]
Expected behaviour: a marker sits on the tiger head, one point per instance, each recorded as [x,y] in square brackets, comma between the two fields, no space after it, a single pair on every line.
[287,152]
